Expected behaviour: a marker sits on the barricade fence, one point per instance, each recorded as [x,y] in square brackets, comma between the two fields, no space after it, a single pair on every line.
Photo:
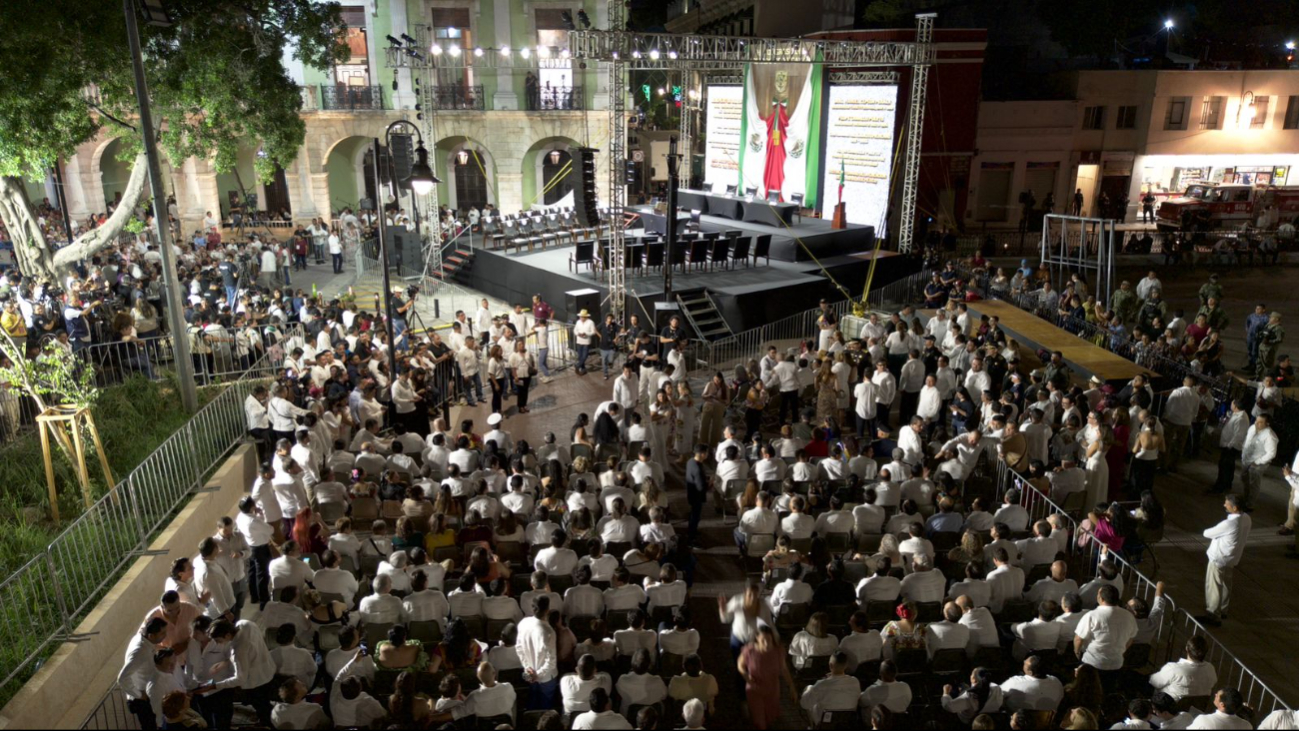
[726,353]
[43,601]
[1225,389]
[1176,625]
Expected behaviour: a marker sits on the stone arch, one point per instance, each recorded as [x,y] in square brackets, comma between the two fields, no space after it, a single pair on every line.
[536,175]
[345,169]
[480,169]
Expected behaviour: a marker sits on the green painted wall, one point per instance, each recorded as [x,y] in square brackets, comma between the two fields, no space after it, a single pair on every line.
[113,174]
[342,174]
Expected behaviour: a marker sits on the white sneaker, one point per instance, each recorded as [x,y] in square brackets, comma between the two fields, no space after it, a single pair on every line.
[546,379]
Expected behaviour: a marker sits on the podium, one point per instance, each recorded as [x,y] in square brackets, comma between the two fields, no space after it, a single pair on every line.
[840,220]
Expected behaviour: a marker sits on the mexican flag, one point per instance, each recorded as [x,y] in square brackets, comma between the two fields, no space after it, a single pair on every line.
[841,179]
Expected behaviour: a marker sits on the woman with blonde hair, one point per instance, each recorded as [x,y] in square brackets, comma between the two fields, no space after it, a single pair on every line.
[650,496]
[827,391]
[970,548]
[813,641]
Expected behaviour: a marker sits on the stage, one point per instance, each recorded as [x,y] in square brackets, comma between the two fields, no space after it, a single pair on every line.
[748,297]
[819,240]
[1038,334]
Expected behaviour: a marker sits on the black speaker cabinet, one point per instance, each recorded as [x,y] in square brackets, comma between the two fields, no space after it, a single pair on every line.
[583,299]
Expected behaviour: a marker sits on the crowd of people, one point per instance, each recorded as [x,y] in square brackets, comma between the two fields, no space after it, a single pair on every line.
[389,568]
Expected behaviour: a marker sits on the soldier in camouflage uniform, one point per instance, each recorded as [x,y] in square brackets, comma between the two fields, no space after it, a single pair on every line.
[1269,344]
[1210,290]
[1124,303]
[1214,316]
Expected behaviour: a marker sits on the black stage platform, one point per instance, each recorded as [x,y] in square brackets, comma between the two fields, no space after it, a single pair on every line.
[815,234]
[749,297]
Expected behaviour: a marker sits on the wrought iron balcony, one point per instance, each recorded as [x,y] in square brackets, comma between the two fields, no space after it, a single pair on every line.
[555,98]
[455,97]
[337,97]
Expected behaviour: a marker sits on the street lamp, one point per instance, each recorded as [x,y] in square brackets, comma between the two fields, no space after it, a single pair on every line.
[421,181]
[1168,24]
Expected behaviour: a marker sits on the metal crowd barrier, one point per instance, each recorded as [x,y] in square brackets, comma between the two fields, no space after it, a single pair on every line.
[1177,625]
[43,601]
[726,353]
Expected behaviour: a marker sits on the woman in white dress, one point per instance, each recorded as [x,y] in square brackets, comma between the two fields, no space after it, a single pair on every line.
[1097,439]
[663,420]
[842,372]
[686,419]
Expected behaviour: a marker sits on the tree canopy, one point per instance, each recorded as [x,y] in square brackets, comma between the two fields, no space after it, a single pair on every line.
[216,79]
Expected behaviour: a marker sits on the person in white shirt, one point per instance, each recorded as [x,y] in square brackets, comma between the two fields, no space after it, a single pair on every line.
[601,715]
[881,587]
[382,607]
[1227,703]
[868,518]
[983,626]
[289,569]
[835,520]
[983,696]
[1105,633]
[1227,545]
[861,644]
[888,691]
[1188,676]
[1040,549]
[1007,581]
[556,559]
[330,579]
[1040,633]
[1258,452]
[923,584]
[758,520]
[425,604]
[1035,690]
[793,590]
[352,707]
[1231,440]
[886,389]
[251,662]
[577,688]
[974,587]
[1011,512]
[294,712]
[680,638]
[138,670]
[864,399]
[813,641]
[948,634]
[640,687]
[666,593]
[292,661]
[535,646]
[1054,587]
[489,700]
[212,581]
[836,692]
[798,525]
[770,468]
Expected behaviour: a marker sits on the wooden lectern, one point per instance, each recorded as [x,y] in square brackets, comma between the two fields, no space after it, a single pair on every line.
[840,220]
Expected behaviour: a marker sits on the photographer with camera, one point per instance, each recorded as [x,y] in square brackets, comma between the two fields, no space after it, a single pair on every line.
[399,309]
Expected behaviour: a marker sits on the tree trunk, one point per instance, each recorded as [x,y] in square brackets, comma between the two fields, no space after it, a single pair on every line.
[32,249]
[91,242]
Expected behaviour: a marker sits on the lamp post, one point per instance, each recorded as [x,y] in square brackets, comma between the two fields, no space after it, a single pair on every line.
[422,181]
[156,15]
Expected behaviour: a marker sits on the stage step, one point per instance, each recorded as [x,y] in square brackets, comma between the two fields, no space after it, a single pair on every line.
[702,314]
[455,264]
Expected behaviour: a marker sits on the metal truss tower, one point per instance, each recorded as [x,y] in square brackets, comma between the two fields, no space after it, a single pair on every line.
[915,130]
[617,160]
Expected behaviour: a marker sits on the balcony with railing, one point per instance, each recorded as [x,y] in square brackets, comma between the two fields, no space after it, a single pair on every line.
[456,98]
[555,98]
[335,97]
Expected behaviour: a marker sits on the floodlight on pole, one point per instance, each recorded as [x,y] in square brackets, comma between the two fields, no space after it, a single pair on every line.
[1168,24]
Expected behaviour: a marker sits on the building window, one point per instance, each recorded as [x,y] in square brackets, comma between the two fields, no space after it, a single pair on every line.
[1261,106]
[451,28]
[1093,118]
[555,74]
[1292,113]
[1176,116]
[355,71]
[1211,113]
[1127,118]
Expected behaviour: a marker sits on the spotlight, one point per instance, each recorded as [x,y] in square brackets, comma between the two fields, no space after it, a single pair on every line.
[672,55]
[567,18]
[1289,45]
[393,41]
[564,53]
[478,52]
[635,54]
[454,50]
[525,52]
[1168,24]
[408,39]
[505,51]
[654,54]
[584,19]
[436,50]
[662,91]
[543,51]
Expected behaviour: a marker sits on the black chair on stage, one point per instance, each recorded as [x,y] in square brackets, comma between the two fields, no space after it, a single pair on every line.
[762,248]
[721,252]
[773,196]
[679,255]
[584,253]
[730,189]
[699,251]
[711,235]
[635,259]
[694,220]
[741,250]
[751,192]
[603,261]
[797,199]
[654,255]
